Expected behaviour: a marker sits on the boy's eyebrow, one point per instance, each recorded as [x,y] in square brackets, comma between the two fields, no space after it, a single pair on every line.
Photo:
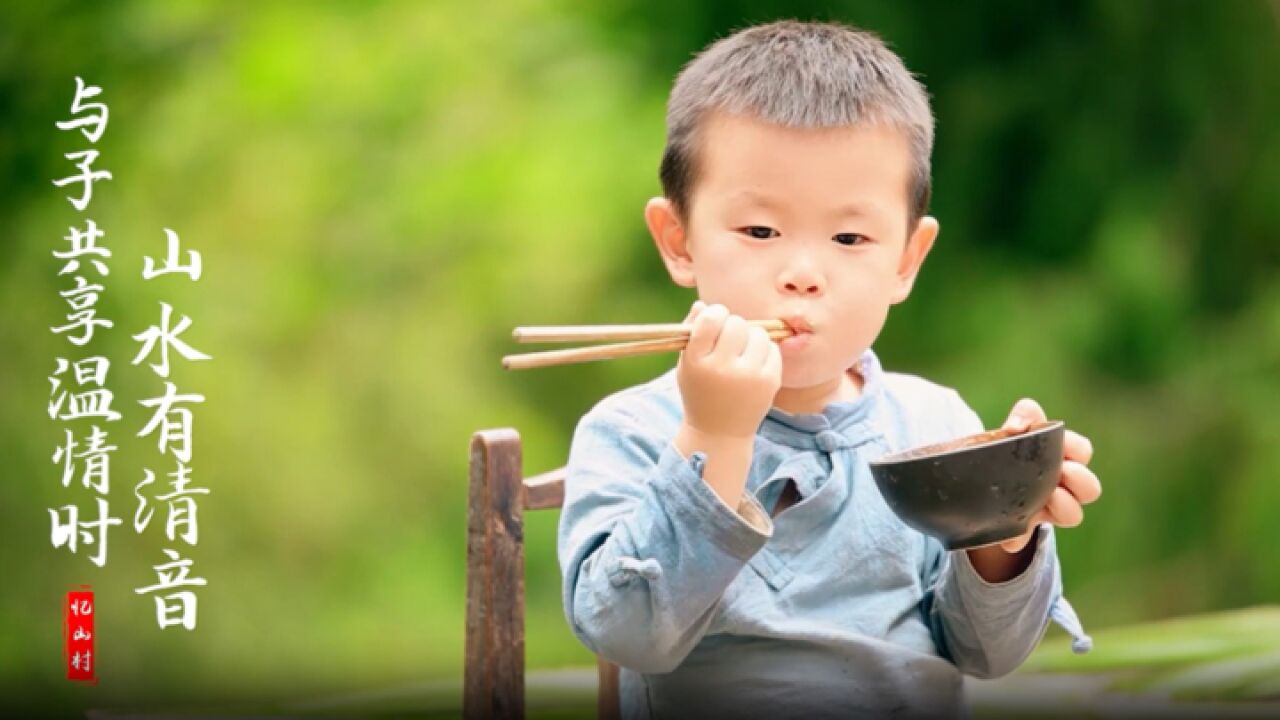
[851,209]
[750,197]
[855,209]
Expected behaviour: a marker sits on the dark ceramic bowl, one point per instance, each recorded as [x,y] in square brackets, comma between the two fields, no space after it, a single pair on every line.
[974,490]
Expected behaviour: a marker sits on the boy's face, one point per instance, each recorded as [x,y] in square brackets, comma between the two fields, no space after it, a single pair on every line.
[799,222]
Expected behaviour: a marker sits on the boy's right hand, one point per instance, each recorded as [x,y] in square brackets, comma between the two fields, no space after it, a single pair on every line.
[728,373]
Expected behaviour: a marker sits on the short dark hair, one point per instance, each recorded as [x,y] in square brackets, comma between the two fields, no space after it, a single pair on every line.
[802,75]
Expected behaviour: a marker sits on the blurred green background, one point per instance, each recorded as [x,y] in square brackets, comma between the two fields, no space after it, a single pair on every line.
[381,191]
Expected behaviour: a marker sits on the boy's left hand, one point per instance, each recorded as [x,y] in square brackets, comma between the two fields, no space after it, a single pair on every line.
[1077,485]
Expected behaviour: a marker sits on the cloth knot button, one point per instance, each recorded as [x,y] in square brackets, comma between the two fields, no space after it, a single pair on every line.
[627,568]
[830,441]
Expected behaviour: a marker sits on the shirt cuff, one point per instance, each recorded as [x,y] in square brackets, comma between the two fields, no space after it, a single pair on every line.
[753,512]
[689,498]
[970,582]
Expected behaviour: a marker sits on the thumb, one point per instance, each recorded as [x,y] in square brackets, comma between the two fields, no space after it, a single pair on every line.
[698,306]
[1025,412]
[1016,545]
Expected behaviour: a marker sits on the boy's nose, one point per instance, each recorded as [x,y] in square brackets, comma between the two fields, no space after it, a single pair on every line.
[807,282]
[806,288]
[802,275]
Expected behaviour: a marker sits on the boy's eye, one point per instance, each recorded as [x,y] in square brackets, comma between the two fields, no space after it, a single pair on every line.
[760,232]
[851,239]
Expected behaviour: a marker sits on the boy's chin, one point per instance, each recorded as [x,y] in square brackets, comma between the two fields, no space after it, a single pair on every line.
[799,375]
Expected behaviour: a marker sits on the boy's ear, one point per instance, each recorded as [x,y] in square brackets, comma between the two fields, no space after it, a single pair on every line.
[917,247]
[669,235]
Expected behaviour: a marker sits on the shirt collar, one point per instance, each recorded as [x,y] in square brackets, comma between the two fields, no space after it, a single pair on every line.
[841,424]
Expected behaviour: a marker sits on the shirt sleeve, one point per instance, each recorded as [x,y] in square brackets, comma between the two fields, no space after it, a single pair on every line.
[646,547]
[988,629]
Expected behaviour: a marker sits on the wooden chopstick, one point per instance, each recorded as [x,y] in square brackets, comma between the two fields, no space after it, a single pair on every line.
[525,361]
[578,333]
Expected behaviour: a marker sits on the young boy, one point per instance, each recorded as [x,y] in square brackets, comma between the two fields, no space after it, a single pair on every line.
[722,539]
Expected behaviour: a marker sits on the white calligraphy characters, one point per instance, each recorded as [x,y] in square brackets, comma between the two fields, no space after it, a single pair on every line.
[92,121]
[79,387]
[172,261]
[167,338]
[81,610]
[182,507]
[78,391]
[82,660]
[94,403]
[175,608]
[89,531]
[171,422]
[98,121]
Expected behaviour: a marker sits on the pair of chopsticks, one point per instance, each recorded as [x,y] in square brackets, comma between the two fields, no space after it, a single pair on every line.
[655,338]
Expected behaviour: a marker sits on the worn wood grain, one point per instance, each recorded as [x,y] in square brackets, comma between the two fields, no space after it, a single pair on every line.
[494,665]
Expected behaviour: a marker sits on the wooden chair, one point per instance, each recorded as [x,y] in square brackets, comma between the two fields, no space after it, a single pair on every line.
[493,678]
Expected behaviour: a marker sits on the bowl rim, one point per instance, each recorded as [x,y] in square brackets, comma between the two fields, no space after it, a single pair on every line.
[919,452]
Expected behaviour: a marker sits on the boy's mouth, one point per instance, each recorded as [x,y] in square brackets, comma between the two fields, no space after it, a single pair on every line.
[798,324]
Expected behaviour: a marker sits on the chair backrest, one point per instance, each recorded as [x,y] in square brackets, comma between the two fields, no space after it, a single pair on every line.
[493,677]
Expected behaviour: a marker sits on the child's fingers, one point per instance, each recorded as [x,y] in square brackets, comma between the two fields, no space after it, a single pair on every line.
[1080,481]
[706,329]
[1025,412]
[1064,508]
[1077,447]
[733,338]
[756,353]
[1013,545]
[773,363]
[697,307]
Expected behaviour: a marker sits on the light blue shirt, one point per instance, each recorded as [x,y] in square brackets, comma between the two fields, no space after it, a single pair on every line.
[834,608]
